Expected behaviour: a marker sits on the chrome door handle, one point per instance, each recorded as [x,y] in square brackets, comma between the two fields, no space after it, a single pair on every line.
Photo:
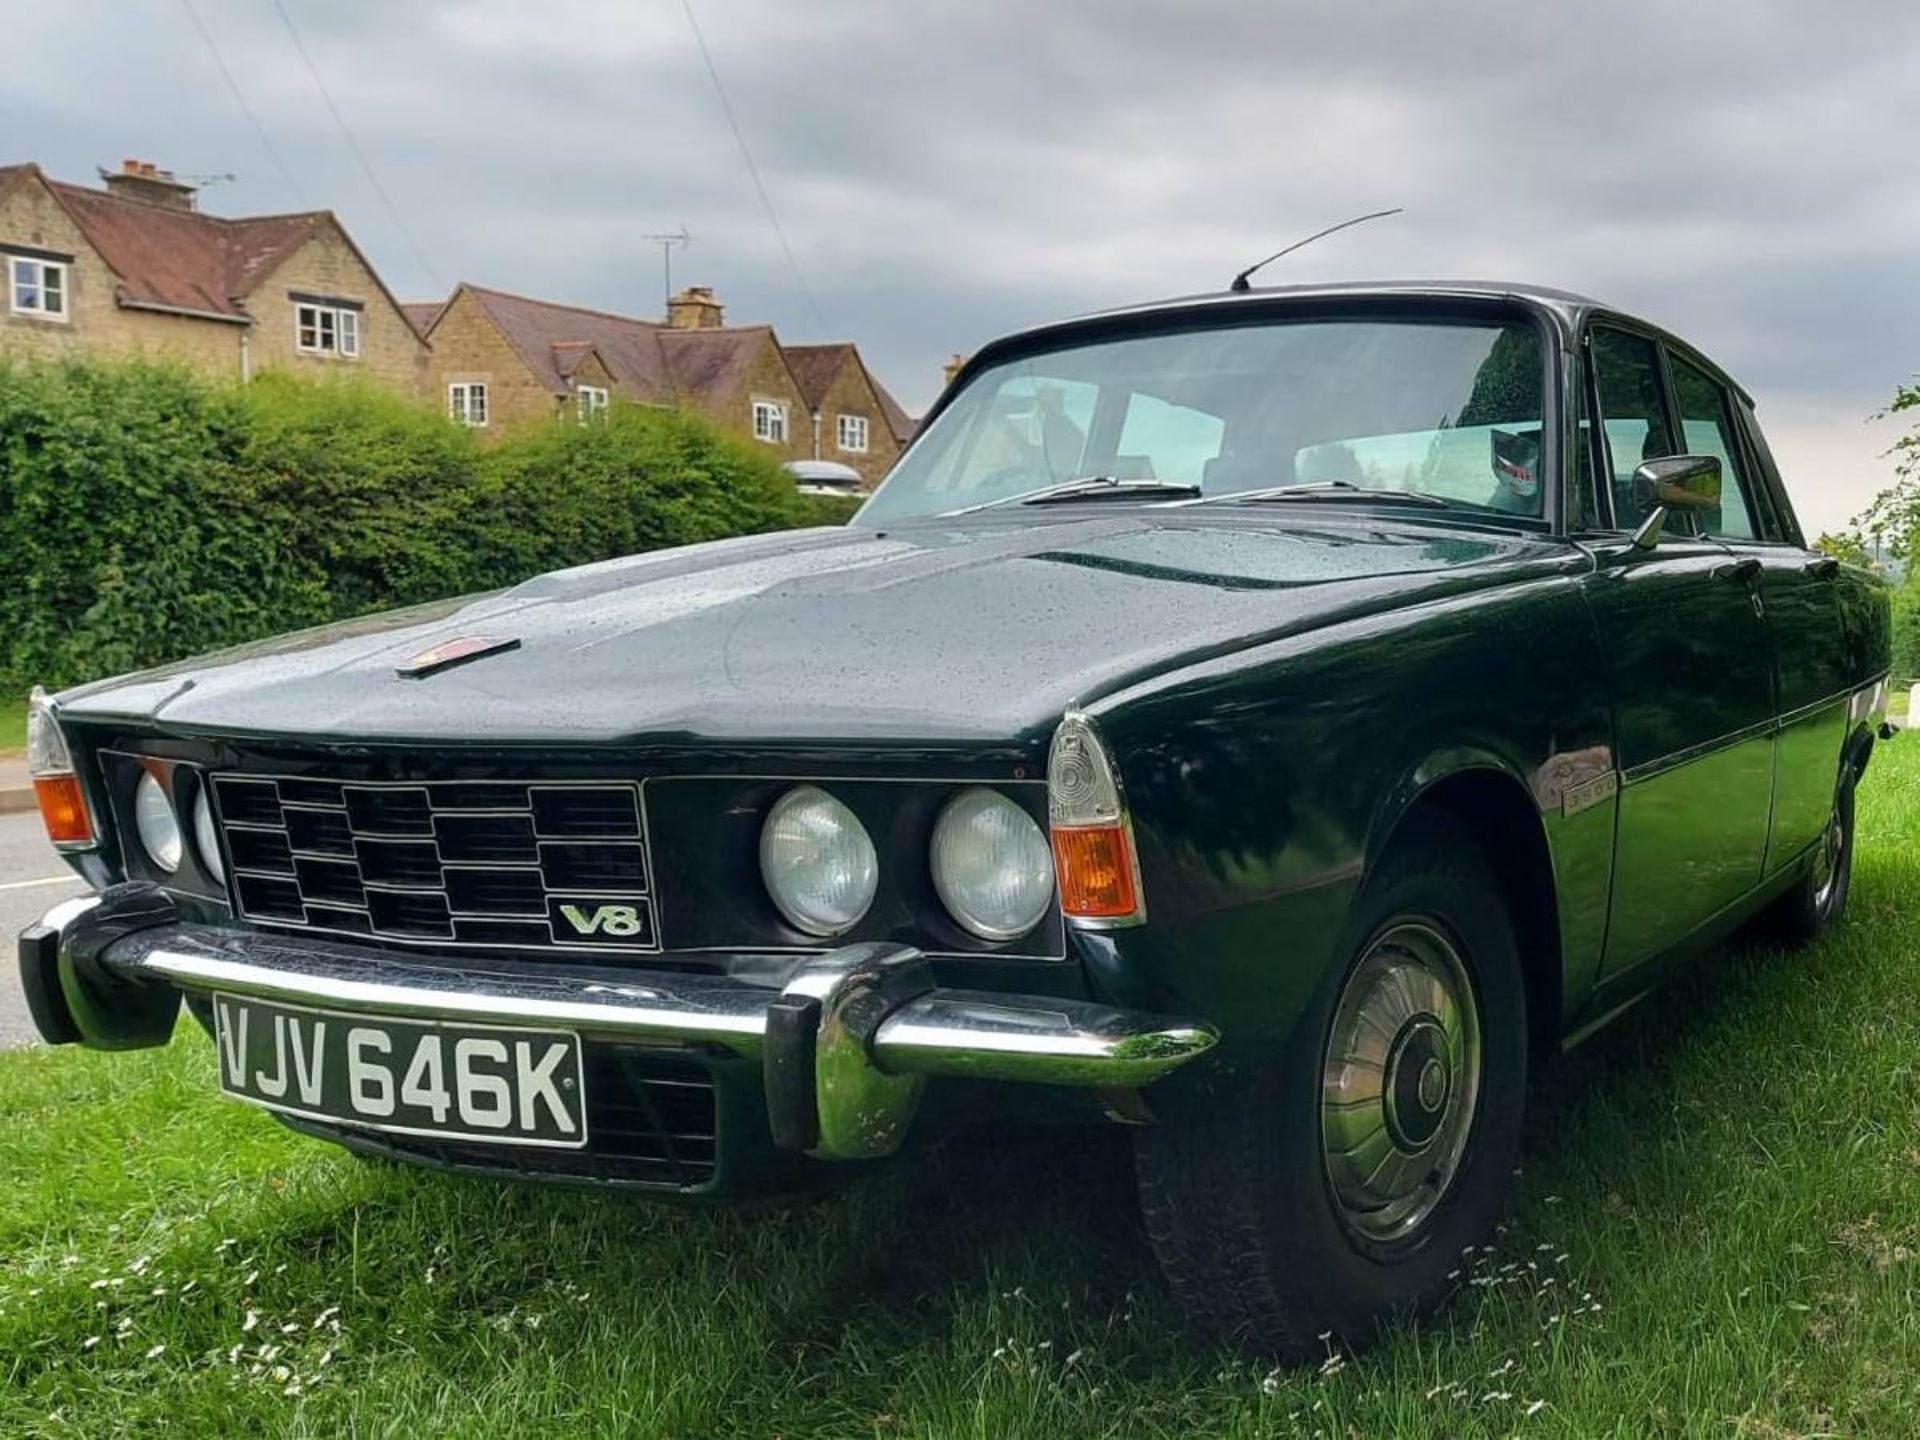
[1737,570]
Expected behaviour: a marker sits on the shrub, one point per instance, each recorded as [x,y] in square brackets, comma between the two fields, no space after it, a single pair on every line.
[1906,629]
[642,479]
[376,491]
[147,514]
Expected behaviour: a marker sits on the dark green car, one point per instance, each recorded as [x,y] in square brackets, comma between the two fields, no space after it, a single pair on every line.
[1276,722]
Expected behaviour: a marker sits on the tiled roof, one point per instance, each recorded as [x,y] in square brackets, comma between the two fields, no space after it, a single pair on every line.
[815,367]
[422,313]
[654,362]
[650,361]
[181,259]
[902,424]
[570,355]
[712,364]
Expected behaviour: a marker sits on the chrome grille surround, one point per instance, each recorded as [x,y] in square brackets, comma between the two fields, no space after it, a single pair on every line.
[467,864]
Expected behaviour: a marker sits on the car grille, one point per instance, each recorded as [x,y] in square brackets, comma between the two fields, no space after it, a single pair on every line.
[483,864]
[651,1120]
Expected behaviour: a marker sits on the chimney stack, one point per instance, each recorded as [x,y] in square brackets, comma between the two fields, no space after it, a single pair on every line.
[143,180]
[694,308]
[955,363]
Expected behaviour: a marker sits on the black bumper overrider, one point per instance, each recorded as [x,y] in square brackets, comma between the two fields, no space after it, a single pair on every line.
[843,1045]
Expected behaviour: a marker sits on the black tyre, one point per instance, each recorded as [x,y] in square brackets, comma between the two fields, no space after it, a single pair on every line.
[1340,1189]
[1818,899]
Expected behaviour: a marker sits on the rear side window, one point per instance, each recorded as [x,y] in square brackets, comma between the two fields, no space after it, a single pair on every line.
[1633,412]
[1784,526]
[1706,417]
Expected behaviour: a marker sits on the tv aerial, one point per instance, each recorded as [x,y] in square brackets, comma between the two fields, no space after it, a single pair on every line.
[667,243]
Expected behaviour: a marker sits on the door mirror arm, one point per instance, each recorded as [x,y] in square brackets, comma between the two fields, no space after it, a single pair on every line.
[1648,535]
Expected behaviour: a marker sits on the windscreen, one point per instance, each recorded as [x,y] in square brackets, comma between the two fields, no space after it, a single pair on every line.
[1445,407]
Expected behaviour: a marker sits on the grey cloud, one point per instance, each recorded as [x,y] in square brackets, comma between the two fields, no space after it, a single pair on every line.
[1742,172]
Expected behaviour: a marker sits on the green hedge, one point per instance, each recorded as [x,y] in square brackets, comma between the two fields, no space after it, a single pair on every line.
[146,514]
[1906,629]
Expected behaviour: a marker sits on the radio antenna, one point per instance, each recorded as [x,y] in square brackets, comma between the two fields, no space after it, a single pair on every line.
[1240,284]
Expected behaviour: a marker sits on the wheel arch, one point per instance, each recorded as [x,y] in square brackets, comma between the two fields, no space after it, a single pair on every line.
[1857,751]
[1481,794]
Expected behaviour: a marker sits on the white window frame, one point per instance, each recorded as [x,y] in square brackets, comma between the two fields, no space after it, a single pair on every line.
[591,401]
[770,422]
[851,434]
[335,330]
[462,408]
[40,269]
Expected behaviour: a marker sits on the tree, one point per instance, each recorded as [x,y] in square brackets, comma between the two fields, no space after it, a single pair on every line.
[1895,511]
[1848,549]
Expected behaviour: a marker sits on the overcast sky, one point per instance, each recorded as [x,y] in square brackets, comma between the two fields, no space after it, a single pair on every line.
[1745,173]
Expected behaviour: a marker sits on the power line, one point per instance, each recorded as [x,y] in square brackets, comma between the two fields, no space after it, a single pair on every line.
[240,99]
[386,200]
[766,201]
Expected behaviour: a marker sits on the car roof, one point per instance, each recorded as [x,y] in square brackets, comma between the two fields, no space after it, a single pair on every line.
[1564,301]
[1568,307]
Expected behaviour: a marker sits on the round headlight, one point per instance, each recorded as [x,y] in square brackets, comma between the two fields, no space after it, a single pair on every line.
[819,865]
[156,824]
[204,838]
[992,865]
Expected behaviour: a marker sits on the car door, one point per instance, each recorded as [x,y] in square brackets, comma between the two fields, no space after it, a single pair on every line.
[1810,665]
[1682,627]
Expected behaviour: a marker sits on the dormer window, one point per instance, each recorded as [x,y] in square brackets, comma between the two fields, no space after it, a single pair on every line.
[326,327]
[852,434]
[591,401]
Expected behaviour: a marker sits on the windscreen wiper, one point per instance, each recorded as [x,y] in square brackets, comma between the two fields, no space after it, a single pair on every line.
[1092,487]
[1337,490]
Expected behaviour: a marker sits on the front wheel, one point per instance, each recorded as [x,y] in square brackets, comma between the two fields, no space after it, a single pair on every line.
[1341,1187]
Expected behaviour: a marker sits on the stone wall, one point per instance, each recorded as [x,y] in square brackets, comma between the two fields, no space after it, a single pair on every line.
[96,322]
[467,347]
[326,265]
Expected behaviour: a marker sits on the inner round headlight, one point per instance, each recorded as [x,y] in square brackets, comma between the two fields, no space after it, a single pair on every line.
[156,824]
[992,865]
[819,865]
[204,838]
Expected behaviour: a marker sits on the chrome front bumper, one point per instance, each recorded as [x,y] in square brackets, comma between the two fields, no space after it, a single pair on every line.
[846,1041]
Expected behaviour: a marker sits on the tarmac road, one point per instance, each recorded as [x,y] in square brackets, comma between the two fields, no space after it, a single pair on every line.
[32,881]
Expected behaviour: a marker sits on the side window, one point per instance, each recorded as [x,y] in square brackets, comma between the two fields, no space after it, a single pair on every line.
[1633,420]
[1707,420]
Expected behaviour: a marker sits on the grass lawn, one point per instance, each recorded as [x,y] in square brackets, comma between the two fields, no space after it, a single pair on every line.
[1715,1234]
[13,726]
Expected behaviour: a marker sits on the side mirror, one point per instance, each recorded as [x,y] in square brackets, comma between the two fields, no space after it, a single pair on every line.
[1677,482]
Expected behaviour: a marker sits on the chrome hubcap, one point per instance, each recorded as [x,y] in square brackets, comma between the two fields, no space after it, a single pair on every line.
[1826,864]
[1400,1083]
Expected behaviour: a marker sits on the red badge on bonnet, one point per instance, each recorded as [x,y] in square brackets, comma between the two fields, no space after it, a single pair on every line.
[453,652]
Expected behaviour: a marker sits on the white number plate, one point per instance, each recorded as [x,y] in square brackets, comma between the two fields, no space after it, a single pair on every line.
[409,1077]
